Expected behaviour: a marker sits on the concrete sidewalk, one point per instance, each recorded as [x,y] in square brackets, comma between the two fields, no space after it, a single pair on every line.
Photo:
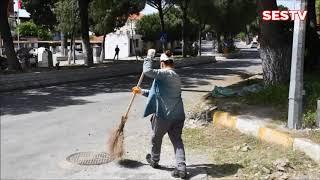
[41,79]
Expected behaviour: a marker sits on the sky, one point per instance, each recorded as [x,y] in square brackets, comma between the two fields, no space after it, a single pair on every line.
[288,3]
[148,10]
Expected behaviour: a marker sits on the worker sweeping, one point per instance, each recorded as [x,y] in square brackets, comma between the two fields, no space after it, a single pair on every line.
[166,107]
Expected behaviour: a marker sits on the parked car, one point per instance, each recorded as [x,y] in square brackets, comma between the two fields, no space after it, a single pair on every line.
[254,44]
[177,51]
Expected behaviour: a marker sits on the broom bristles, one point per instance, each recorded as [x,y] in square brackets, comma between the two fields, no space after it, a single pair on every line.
[115,142]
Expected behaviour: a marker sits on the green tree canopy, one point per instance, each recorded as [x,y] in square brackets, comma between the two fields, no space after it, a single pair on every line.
[149,26]
[107,15]
[30,29]
[67,14]
[42,12]
[231,17]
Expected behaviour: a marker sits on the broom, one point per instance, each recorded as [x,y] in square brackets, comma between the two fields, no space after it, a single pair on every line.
[115,142]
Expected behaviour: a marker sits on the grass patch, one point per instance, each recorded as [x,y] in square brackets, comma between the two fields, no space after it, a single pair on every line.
[277,97]
[219,144]
[313,135]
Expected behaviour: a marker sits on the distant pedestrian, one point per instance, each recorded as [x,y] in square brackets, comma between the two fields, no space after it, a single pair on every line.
[117,50]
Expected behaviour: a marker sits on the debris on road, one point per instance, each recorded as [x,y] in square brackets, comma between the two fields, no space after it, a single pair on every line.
[230,92]
[266,170]
[282,165]
[244,148]
[199,116]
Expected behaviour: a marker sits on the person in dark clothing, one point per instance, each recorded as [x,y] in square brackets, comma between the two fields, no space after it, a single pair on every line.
[117,50]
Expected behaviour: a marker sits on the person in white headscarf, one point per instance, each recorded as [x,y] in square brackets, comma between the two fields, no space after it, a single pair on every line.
[166,107]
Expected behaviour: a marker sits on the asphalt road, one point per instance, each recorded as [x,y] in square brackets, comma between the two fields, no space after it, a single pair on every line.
[41,127]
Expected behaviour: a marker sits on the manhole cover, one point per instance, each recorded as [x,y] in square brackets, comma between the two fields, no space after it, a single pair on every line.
[89,158]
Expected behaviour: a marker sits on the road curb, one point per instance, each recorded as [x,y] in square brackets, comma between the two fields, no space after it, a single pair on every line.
[258,129]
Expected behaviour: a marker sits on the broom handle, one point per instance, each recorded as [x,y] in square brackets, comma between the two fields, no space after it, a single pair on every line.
[133,97]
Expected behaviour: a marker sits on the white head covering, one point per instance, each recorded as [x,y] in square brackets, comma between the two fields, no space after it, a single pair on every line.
[164,57]
[151,53]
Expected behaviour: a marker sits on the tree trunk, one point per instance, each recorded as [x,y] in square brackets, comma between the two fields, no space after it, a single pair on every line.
[247,38]
[200,41]
[64,44]
[184,22]
[83,6]
[219,49]
[161,16]
[102,54]
[275,48]
[0,45]
[83,49]
[70,52]
[13,63]
[74,50]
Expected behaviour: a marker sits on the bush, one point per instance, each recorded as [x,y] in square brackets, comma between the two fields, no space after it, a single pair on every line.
[30,29]
[312,88]
[44,34]
[242,36]
[274,95]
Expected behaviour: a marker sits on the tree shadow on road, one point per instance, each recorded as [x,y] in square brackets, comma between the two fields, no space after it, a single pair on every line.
[249,54]
[49,98]
[196,76]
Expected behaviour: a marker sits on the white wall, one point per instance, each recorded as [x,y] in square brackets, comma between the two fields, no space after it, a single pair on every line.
[112,40]
[123,42]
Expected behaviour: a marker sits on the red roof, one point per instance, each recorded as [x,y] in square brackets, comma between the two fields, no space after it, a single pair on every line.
[96,39]
[135,16]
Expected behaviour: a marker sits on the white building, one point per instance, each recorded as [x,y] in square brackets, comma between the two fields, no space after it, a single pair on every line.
[126,39]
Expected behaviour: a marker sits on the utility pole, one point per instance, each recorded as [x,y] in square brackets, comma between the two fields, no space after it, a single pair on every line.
[295,109]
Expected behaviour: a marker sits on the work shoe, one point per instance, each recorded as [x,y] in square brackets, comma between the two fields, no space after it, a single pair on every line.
[152,162]
[179,173]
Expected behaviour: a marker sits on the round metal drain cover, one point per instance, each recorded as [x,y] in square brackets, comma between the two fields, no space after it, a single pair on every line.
[89,158]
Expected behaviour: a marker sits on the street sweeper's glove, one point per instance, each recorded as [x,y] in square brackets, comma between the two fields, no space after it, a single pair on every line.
[136,90]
